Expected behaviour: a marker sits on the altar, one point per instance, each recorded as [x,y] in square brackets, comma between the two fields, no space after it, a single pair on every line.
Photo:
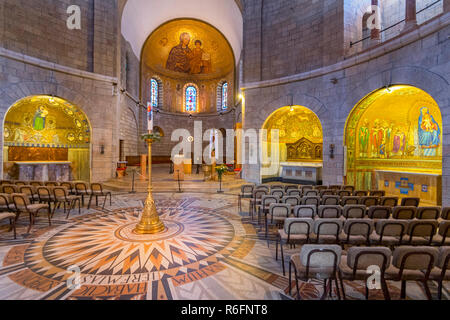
[43,171]
[301,172]
[425,186]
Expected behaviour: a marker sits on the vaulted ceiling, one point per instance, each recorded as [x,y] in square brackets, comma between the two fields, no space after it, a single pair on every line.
[141,17]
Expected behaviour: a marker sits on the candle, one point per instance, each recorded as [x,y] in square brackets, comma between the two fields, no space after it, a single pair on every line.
[149,117]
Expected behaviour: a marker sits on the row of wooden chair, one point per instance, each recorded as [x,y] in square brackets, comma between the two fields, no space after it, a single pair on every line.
[31,199]
[82,189]
[356,232]
[406,263]
[264,200]
[360,211]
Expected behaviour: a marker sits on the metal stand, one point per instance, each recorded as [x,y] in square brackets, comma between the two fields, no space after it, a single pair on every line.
[132,185]
[179,182]
[220,185]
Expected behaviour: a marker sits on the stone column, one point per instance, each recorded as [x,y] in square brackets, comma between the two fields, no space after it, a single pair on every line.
[410,14]
[375,33]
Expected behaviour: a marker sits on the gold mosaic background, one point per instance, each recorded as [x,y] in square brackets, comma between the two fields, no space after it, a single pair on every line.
[382,133]
[43,121]
[214,46]
[295,123]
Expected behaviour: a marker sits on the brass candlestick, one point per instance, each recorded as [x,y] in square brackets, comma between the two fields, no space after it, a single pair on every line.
[150,222]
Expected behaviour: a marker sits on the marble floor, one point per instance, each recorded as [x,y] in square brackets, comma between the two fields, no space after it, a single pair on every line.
[208,251]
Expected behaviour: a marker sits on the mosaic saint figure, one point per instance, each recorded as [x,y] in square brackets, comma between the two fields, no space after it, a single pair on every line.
[429,133]
[376,136]
[39,118]
[179,60]
[364,134]
[399,142]
[199,60]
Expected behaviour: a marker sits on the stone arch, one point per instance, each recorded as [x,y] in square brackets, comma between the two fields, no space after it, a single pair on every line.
[64,133]
[16,91]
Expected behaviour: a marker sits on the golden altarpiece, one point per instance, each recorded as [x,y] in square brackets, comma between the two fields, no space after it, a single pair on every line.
[393,140]
[300,145]
[46,138]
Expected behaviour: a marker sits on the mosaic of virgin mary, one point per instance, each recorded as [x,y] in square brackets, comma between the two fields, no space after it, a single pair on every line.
[186,60]
[429,133]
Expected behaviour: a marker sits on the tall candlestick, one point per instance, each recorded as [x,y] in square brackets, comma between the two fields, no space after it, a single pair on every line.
[149,117]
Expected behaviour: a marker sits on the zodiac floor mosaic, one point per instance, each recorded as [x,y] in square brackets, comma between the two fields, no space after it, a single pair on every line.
[208,251]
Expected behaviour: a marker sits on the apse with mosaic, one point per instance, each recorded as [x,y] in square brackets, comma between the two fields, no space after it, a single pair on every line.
[225,154]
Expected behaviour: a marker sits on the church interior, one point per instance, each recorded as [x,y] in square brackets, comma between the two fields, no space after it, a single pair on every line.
[225,150]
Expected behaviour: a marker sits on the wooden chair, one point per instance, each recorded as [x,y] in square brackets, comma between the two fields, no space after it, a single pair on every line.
[428,213]
[97,191]
[82,190]
[389,232]
[12,221]
[357,232]
[330,211]
[316,261]
[354,266]
[295,231]
[10,189]
[69,186]
[410,202]
[327,231]
[360,193]
[246,193]
[408,265]
[389,201]
[404,213]
[421,232]
[354,211]
[46,196]
[379,212]
[305,211]
[330,200]
[69,201]
[278,213]
[377,193]
[23,205]
[368,201]
[442,238]
[442,272]
[349,200]
[51,184]
[30,191]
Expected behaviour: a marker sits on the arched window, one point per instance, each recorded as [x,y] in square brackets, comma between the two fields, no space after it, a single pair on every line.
[222,96]
[191,97]
[225,96]
[154,93]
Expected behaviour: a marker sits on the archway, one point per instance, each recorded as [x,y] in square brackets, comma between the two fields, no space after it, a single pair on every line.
[46,130]
[394,143]
[300,146]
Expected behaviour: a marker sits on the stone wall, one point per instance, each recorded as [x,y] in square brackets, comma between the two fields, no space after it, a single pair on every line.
[419,58]
[287,37]
[38,28]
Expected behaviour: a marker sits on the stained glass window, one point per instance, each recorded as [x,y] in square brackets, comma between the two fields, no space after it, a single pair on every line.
[225,96]
[191,99]
[154,93]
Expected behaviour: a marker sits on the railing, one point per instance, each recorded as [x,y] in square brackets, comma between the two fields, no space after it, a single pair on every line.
[396,24]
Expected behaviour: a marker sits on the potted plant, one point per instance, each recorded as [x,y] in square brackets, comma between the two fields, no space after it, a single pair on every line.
[220,171]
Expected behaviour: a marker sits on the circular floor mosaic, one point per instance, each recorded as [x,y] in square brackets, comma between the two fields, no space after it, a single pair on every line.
[115,262]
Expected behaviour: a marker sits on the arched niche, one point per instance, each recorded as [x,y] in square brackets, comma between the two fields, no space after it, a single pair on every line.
[300,137]
[399,130]
[47,129]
